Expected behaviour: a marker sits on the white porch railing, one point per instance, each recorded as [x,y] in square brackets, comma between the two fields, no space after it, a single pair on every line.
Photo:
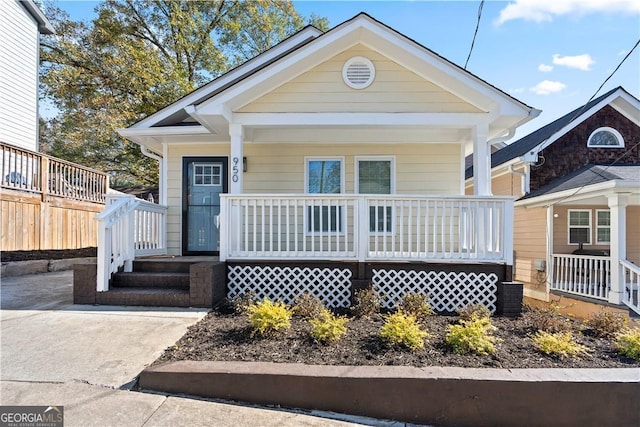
[584,275]
[128,227]
[366,227]
[631,274]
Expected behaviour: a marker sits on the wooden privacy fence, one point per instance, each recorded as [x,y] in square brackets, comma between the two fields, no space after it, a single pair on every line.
[48,203]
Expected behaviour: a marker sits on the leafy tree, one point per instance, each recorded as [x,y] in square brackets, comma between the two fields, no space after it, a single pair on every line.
[135,58]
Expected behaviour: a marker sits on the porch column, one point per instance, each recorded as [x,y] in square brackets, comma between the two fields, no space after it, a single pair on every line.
[481,161]
[236,132]
[618,245]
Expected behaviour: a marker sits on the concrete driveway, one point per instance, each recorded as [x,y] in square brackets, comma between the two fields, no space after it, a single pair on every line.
[85,358]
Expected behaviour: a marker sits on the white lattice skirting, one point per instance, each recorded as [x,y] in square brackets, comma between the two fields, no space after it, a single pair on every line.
[331,285]
[448,291]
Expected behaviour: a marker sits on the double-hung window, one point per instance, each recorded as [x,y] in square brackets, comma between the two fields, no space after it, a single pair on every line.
[603,227]
[579,226]
[374,175]
[324,176]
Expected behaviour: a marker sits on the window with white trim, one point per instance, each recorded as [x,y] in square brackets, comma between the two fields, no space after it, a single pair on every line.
[375,175]
[207,174]
[603,226]
[324,176]
[579,226]
[605,137]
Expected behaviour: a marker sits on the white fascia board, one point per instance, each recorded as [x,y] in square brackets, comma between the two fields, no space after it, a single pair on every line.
[581,118]
[450,77]
[255,62]
[163,131]
[628,106]
[44,25]
[586,192]
[283,71]
[360,119]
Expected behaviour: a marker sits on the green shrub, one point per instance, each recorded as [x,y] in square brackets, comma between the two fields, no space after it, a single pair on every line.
[472,336]
[628,343]
[548,319]
[241,303]
[402,330]
[327,328]
[268,317]
[367,303]
[474,311]
[416,305]
[560,344]
[606,324]
[307,306]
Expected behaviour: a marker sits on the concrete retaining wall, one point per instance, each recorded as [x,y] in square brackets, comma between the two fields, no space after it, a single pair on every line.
[21,268]
[437,396]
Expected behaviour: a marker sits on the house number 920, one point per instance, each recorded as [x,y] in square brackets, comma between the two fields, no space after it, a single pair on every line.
[235,170]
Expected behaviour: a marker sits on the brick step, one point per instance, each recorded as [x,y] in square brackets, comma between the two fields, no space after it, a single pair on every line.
[150,280]
[140,266]
[153,297]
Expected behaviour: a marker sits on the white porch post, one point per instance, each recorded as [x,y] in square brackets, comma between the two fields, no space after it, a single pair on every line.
[550,260]
[236,132]
[618,212]
[481,161]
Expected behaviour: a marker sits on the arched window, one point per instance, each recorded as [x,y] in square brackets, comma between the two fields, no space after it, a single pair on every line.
[605,137]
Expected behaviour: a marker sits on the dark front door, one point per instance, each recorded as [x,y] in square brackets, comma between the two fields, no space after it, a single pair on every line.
[203,180]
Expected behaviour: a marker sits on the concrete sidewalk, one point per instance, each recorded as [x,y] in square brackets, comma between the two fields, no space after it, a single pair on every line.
[85,358]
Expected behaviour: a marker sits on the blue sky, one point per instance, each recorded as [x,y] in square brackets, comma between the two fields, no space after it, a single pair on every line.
[550,54]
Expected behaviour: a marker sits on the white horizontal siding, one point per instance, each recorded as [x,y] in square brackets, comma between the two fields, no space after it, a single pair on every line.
[18,76]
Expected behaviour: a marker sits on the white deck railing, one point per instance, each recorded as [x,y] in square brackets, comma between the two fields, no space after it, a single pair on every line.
[128,227]
[366,227]
[585,275]
[631,274]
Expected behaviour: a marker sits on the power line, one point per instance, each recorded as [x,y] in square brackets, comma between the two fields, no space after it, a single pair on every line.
[575,116]
[473,42]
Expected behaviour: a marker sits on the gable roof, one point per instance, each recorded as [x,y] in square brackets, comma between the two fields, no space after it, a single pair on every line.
[546,135]
[589,175]
[44,26]
[175,114]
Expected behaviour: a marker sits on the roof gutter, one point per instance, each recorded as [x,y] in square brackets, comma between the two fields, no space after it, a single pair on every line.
[150,153]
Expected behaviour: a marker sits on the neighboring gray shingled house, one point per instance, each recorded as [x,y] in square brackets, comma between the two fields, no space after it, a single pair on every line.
[577,220]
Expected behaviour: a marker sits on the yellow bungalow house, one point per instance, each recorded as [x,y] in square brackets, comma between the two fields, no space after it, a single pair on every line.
[329,162]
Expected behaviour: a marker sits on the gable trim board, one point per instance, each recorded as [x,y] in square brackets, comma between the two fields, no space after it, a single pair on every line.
[259,77]
[527,148]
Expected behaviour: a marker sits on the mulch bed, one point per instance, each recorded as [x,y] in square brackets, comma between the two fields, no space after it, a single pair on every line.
[225,336]
[50,254]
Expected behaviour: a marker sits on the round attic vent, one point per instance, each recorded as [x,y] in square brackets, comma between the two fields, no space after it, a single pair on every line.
[358,72]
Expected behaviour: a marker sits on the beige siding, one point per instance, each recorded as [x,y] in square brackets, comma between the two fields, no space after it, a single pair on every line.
[508,184]
[530,244]
[561,230]
[18,76]
[395,89]
[279,168]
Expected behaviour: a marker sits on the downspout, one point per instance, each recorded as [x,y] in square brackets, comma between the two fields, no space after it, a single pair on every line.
[150,153]
[524,187]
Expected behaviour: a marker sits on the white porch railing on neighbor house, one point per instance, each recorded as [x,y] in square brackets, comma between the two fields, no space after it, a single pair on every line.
[128,227]
[585,275]
[631,274]
[367,227]
[33,172]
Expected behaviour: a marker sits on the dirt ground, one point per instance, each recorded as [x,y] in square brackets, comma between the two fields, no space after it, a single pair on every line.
[222,335]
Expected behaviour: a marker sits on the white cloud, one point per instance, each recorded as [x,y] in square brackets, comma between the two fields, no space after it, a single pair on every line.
[547,87]
[545,68]
[581,62]
[546,10]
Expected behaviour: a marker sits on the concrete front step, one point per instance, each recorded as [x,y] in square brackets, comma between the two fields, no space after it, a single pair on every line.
[158,297]
[150,280]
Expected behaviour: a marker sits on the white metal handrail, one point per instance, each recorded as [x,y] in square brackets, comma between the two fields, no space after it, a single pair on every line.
[366,227]
[585,275]
[631,274]
[128,227]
